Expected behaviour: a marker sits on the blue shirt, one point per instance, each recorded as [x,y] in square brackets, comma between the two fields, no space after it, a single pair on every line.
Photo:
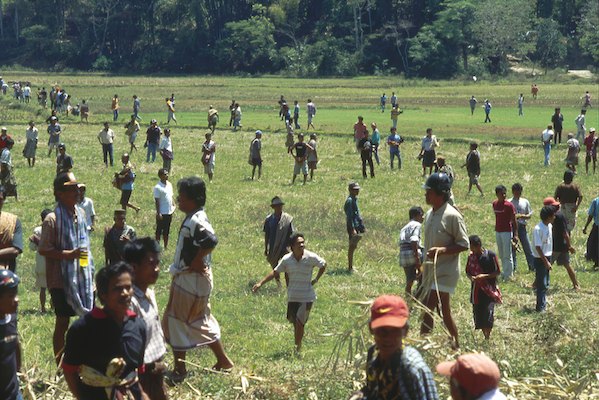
[393,138]
[594,210]
[376,137]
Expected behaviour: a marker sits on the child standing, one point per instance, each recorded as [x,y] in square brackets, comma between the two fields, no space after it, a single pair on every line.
[40,261]
[483,269]
[542,239]
[410,248]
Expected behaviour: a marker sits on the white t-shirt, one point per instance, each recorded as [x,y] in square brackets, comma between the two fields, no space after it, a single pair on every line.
[164,193]
[410,233]
[547,135]
[300,275]
[88,206]
[166,144]
[542,237]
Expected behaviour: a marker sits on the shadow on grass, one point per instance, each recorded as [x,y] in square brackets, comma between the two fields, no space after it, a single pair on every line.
[340,272]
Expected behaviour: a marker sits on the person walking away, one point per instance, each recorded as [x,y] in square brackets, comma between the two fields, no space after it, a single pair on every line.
[472,102]
[311,112]
[488,108]
[366,149]
[546,137]
[255,157]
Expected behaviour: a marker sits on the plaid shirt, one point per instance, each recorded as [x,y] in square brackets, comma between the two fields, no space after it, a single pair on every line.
[144,305]
[405,376]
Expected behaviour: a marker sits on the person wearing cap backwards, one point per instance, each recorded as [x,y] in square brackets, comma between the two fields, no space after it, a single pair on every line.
[278,228]
[152,140]
[132,128]
[64,162]
[116,237]
[298,266]
[394,371]
[10,346]
[472,377]
[591,144]
[255,158]
[65,243]
[445,237]
[54,131]
[354,222]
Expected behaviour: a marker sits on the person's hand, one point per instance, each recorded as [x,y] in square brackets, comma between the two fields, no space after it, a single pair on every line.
[431,252]
[72,254]
[572,250]
[256,287]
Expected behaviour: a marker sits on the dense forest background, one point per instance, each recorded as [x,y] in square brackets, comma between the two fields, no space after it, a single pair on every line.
[416,38]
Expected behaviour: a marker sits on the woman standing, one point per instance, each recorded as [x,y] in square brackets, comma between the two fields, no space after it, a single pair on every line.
[31,146]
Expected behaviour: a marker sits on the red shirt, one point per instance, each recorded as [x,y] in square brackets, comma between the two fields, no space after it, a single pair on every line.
[588,142]
[504,215]
[3,141]
[359,130]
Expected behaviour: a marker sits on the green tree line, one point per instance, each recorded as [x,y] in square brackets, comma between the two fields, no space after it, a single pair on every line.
[425,38]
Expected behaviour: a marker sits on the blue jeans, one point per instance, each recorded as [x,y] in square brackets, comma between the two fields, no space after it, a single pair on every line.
[392,155]
[375,153]
[115,115]
[152,147]
[523,236]
[107,151]
[547,149]
[542,281]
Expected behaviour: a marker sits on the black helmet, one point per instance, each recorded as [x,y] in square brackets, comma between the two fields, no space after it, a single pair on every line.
[438,182]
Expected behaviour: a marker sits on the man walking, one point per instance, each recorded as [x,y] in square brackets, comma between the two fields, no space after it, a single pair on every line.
[298,265]
[488,107]
[311,111]
[472,102]
[106,138]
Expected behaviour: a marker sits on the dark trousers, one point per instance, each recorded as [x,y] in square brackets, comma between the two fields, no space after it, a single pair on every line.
[367,158]
[557,138]
[542,281]
[487,119]
[107,151]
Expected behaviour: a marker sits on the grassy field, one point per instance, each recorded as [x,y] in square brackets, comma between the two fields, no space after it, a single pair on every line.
[541,356]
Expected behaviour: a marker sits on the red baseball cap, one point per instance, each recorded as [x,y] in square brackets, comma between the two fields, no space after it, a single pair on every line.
[389,310]
[476,373]
[550,201]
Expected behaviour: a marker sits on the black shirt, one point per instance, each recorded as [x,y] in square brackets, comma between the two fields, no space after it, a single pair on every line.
[365,146]
[95,339]
[153,135]
[300,149]
[9,341]
[560,226]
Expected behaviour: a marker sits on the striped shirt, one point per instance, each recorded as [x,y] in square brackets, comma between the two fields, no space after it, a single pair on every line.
[300,275]
[144,305]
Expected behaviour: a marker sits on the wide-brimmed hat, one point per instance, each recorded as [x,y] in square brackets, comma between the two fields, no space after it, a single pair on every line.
[276,201]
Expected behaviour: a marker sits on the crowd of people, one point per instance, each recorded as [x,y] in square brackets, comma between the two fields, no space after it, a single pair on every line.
[129,335]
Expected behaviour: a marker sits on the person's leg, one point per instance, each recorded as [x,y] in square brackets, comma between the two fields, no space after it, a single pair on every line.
[391,157]
[572,275]
[375,152]
[504,247]
[111,154]
[105,154]
[363,165]
[293,180]
[350,255]
[43,300]
[525,243]
[222,360]
[298,334]
[371,165]
[448,319]
[58,339]
[305,178]
[428,323]
[148,152]
[540,279]
[179,368]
